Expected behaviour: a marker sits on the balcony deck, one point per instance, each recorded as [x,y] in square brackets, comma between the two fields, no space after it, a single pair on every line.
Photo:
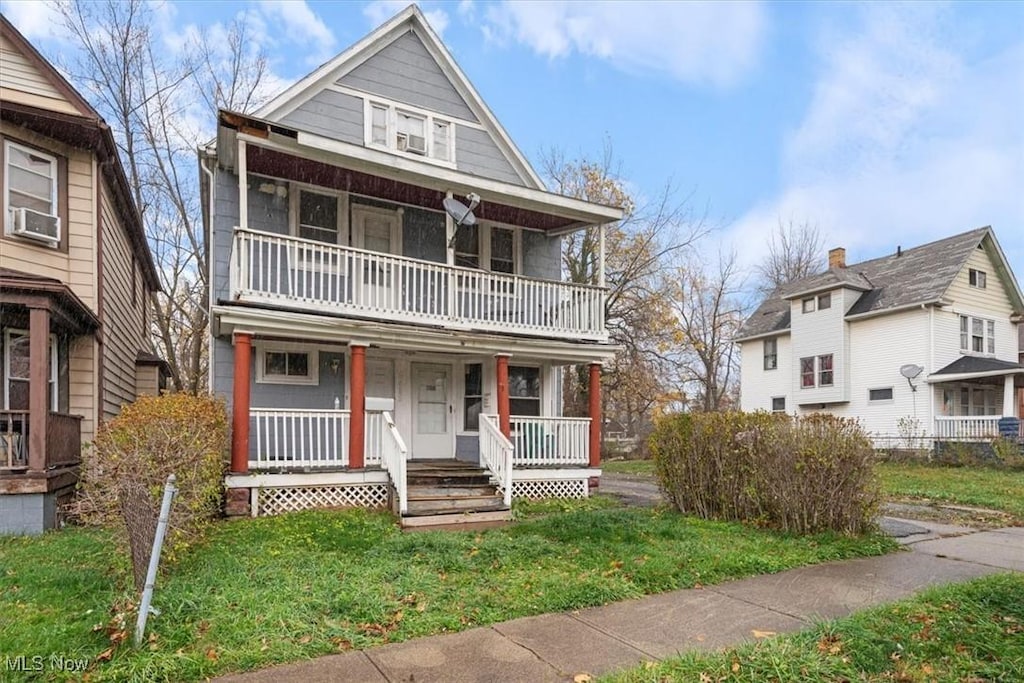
[280,270]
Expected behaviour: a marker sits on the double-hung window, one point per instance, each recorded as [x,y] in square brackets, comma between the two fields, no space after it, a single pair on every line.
[473,397]
[817,371]
[17,370]
[977,278]
[407,131]
[825,370]
[771,354]
[30,193]
[318,217]
[467,246]
[807,373]
[524,390]
[977,335]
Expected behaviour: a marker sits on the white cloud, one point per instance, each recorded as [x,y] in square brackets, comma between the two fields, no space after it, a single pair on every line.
[300,25]
[379,11]
[36,19]
[715,43]
[907,139]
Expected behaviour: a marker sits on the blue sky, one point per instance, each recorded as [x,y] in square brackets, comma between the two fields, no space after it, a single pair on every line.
[884,124]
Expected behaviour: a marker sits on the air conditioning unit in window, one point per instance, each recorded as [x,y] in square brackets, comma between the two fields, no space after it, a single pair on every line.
[415,144]
[35,225]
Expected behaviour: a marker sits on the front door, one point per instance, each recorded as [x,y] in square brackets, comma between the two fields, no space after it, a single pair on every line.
[431,411]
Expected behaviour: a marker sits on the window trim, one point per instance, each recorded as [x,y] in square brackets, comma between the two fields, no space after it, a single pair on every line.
[294,190]
[774,355]
[391,124]
[312,364]
[53,380]
[967,336]
[890,399]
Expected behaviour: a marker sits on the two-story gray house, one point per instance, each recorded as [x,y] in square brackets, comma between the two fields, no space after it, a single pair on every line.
[373,346]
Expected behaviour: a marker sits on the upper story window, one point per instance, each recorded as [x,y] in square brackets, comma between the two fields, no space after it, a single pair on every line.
[771,354]
[816,371]
[503,250]
[317,217]
[825,301]
[408,131]
[808,305]
[807,373]
[30,193]
[489,246]
[825,370]
[977,335]
[467,246]
[977,278]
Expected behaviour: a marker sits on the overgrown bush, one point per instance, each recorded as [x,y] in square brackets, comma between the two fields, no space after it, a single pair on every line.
[803,475]
[123,475]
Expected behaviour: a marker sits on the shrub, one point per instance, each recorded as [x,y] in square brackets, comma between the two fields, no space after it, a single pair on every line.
[123,475]
[802,475]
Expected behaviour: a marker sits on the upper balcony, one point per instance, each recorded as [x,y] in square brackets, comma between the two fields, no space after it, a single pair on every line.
[280,270]
[307,223]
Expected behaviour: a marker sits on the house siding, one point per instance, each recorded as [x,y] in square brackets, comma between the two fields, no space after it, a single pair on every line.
[330,113]
[760,386]
[477,153]
[123,335]
[22,82]
[405,71]
[819,333]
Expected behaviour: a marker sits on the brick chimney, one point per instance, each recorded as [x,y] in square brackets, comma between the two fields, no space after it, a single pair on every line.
[837,258]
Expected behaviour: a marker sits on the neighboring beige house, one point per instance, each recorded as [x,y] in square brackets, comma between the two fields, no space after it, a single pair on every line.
[918,344]
[75,282]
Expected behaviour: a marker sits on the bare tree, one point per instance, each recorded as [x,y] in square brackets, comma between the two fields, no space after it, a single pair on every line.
[161,105]
[794,252]
[637,250]
[708,311]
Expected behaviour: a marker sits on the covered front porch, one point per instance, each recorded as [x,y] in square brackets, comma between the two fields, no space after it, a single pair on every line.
[976,399]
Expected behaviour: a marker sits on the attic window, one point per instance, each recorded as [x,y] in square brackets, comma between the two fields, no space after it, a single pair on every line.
[808,305]
[824,301]
[409,131]
[976,278]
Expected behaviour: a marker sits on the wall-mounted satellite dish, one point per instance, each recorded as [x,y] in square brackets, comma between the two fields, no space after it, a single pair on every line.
[911,372]
[460,213]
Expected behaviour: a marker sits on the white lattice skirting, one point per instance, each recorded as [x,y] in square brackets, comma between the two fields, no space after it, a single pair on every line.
[551,488]
[275,500]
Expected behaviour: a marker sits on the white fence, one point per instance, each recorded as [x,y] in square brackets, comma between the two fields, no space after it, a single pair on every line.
[309,439]
[541,441]
[978,428]
[307,274]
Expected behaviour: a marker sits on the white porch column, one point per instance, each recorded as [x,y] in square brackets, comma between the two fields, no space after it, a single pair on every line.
[1009,397]
[243,185]
[601,280]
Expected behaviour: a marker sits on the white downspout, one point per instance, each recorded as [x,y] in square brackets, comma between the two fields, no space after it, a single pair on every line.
[209,273]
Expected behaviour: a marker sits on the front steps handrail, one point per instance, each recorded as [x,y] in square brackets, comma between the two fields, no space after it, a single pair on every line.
[496,454]
[394,455]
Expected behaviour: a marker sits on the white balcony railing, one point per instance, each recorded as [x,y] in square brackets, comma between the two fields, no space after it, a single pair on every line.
[300,273]
[309,439]
[976,428]
[542,441]
[393,458]
[496,454]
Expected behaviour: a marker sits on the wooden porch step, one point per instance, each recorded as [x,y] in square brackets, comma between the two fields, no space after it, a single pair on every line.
[457,521]
[450,490]
[447,478]
[432,505]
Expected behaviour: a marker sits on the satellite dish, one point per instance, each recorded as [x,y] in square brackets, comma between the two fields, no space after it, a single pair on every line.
[911,371]
[460,213]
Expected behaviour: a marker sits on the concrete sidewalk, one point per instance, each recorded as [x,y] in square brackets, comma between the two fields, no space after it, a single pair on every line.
[557,647]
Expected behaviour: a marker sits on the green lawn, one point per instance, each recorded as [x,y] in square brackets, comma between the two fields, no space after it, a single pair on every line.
[628,466]
[969,632]
[292,587]
[998,489]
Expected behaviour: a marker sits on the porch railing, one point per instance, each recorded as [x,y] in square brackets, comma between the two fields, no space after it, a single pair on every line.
[393,459]
[541,441]
[298,438]
[977,428]
[63,440]
[496,454]
[302,273]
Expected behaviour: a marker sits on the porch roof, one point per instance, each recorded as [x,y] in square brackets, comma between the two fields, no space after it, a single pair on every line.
[975,367]
[294,154]
[25,289]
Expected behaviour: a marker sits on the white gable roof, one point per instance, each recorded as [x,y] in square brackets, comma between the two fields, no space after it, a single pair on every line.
[409,19]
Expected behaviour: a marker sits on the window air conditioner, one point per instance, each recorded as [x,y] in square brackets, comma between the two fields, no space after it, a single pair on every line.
[35,225]
[415,144]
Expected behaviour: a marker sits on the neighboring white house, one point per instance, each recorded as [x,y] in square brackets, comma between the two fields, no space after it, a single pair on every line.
[918,343]
[357,326]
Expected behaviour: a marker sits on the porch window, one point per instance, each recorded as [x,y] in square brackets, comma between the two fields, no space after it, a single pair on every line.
[524,390]
[318,217]
[467,246]
[287,366]
[473,397]
[771,354]
[16,370]
[502,250]
[31,193]
[807,373]
[825,370]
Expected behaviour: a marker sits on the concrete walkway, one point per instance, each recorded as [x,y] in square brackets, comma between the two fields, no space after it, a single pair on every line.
[558,647]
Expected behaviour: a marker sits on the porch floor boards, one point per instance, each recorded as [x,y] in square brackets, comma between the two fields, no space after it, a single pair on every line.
[443,492]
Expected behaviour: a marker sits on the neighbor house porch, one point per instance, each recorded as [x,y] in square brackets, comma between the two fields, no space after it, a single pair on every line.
[975,399]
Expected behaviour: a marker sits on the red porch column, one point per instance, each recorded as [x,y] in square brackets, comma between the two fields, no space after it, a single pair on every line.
[504,420]
[357,397]
[240,403]
[38,386]
[595,414]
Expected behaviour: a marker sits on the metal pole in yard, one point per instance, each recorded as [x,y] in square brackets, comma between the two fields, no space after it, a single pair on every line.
[154,558]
